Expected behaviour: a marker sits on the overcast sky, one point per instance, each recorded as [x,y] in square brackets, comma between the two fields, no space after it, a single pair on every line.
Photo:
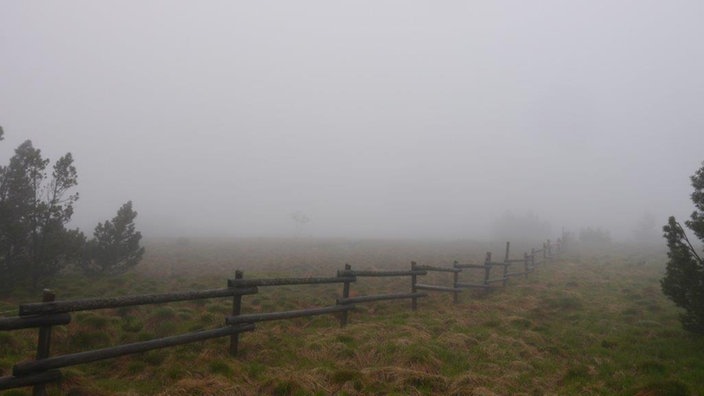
[374,118]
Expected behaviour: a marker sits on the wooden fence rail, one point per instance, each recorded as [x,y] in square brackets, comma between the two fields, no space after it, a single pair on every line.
[240,282]
[243,283]
[73,359]
[381,273]
[10,382]
[439,288]
[414,295]
[529,264]
[50,313]
[55,307]
[28,322]
[379,297]
[261,317]
[44,368]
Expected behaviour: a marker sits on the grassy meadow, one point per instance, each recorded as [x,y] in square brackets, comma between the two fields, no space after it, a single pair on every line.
[589,323]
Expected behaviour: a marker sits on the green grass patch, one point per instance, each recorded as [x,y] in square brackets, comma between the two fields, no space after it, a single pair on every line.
[220,367]
[665,388]
[597,325]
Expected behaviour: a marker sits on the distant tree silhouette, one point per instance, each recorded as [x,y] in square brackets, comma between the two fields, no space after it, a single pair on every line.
[646,230]
[594,237]
[528,227]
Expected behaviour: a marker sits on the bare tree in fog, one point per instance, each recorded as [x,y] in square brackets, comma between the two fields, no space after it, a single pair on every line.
[300,219]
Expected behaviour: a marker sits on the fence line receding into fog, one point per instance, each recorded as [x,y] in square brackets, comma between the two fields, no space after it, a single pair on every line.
[48,313]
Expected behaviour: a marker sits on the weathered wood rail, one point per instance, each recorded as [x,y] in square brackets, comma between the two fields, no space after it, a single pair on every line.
[55,307]
[44,369]
[240,282]
[414,295]
[439,288]
[261,317]
[73,359]
[244,283]
[529,264]
[29,322]
[50,313]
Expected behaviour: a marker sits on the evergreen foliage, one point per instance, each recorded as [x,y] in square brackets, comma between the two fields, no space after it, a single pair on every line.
[684,278]
[34,210]
[115,247]
[36,204]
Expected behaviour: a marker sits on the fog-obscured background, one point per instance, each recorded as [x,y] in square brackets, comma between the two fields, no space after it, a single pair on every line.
[368,118]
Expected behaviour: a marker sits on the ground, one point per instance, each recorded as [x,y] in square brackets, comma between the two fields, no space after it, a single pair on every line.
[586,323]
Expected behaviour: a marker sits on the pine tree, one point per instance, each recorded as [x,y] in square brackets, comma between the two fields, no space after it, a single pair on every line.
[34,209]
[115,246]
[684,278]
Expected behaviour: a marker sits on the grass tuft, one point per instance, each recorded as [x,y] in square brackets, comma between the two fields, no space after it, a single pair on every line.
[89,339]
[221,367]
[568,328]
[652,367]
[132,325]
[667,388]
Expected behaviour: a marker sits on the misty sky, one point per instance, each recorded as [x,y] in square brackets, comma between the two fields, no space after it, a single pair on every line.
[374,118]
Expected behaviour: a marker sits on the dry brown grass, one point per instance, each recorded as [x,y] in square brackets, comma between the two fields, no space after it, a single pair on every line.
[577,326]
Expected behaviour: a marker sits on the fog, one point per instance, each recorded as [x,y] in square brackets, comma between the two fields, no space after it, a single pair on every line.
[394,119]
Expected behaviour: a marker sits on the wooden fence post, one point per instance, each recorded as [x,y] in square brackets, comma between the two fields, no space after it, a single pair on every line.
[487,268]
[525,264]
[414,279]
[455,279]
[549,247]
[44,342]
[532,259]
[506,264]
[236,310]
[345,294]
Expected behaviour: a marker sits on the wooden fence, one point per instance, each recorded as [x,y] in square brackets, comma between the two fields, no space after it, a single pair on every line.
[48,313]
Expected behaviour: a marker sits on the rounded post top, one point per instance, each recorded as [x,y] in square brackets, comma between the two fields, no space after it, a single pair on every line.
[48,295]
